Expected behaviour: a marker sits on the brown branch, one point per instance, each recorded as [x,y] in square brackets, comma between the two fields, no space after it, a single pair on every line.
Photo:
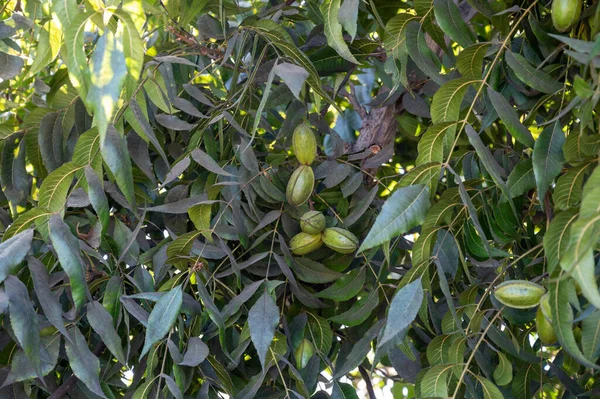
[365,375]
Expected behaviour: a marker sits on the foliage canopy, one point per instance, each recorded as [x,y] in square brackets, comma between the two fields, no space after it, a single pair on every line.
[145,152]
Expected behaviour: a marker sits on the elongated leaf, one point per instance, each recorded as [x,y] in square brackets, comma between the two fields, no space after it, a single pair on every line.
[49,43]
[49,303]
[521,179]
[54,189]
[83,362]
[510,118]
[556,239]
[97,197]
[69,256]
[405,209]
[13,251]
[548,157]
[535,78]
[431,145]
[503,373]
[196,353]
[345,287]
[567,192]
[333,29]
[359,351]
[102,323]
[590,336]
[205,160]
[314,272]
[562,321]
[348,16]
[263,319]
[446,103]
[450,20]
[23,320]
[359,312]
[115,155]
[470,61]
[402,311]
[490,163]
[107,71]
[162,317]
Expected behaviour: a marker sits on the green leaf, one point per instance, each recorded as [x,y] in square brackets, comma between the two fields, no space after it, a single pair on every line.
[405,209]
[490,391]
[446,103]
[145,130]
[590,336]
[133,50]
[503,373]
[24,321]
[83,362]
[320,334]
[112,296]
[314,272]
[435,381]
[48,46]
[206,161]
[69,256]
[548,157]
[348,16]
[402,310]
[556,239]
[488,160]
[273,32]
[510,118]
[196,353]
[422,55]
[567,192]
[578,258]
[102,323]
[345,287]
[13,251]
[342,390]
[562,320]
[521,179]
[50,140]
[54,189]
[470,61]
[431,145]
[535,78]
[359,312]
[450,20]
[333,29]
[97,197]
[48,301]
[162,317]
[76,61]
[359,351]
[115,155]
[263,319]
[25,220]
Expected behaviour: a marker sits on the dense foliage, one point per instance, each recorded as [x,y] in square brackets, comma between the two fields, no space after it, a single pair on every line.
[146,151]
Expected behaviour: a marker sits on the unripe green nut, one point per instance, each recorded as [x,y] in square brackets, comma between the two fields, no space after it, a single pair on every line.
[544,328]
[302,243]
[300,185]
[340,240]
[519,294]
[303,353]
[312,222]
[565,13]
[304,143]
[545,306]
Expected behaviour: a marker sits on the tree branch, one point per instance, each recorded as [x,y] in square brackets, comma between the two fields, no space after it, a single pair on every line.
[365,375]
